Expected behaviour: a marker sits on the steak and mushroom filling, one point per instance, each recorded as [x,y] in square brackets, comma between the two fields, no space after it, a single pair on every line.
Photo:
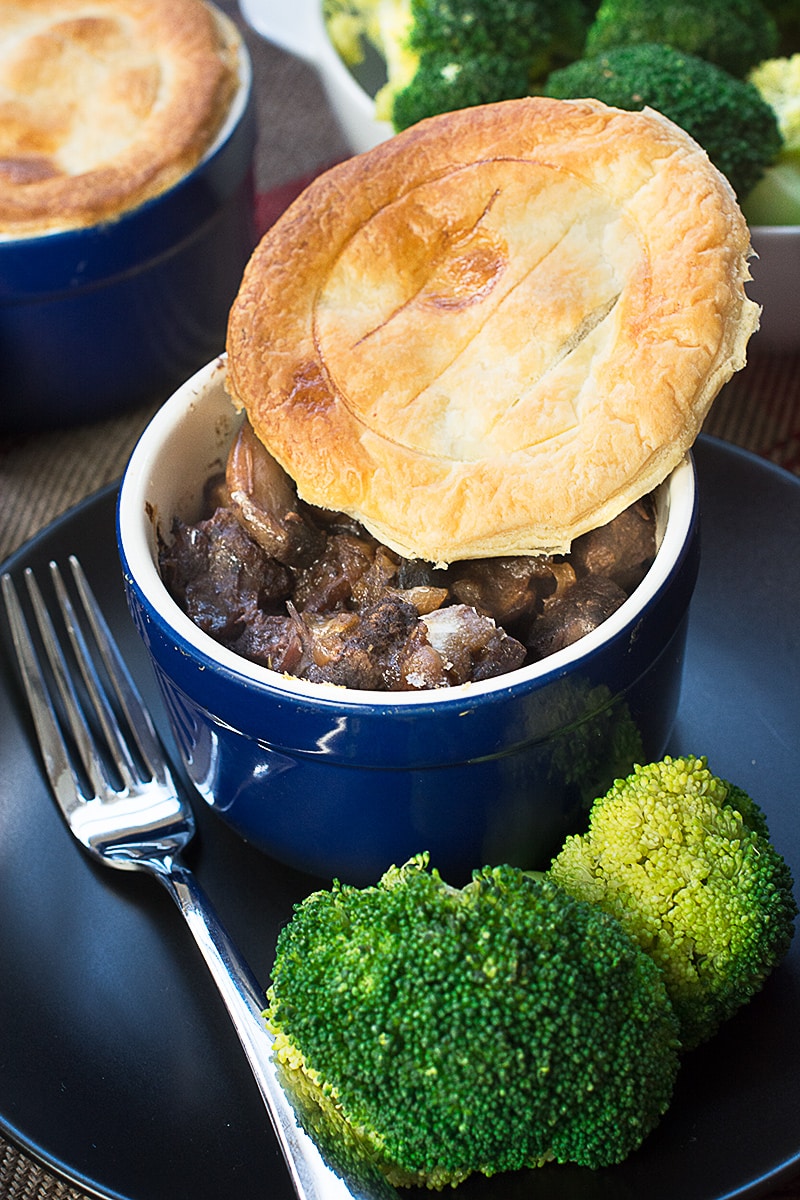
[312,594]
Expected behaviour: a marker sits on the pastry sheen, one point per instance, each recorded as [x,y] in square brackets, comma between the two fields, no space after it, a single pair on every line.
[104,104]
[498,329]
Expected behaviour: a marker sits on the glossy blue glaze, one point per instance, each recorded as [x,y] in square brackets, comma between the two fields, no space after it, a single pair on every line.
[95,321]
[347,789]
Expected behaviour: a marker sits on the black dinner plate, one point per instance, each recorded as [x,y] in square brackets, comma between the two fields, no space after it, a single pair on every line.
[118,1067]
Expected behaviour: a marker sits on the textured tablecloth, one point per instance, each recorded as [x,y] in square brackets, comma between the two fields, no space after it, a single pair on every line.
[44,474]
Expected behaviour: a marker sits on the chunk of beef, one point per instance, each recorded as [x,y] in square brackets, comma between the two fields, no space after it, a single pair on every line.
[502,653]
[328,583]
[622,550]
[218,574]
[271,640]
[470,644]
[507,589]
[575,612]
[357,649]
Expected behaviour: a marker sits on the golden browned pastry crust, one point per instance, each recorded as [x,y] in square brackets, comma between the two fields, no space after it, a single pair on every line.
[105,103]
[498,329]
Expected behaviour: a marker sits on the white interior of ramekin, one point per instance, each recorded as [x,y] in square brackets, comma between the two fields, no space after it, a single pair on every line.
[187,441]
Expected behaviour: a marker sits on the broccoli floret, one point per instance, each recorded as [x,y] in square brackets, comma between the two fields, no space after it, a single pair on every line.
[349,24]
[733,34]
[487,1028]
[683,860]
[752,814]
[468,27]
[778,82]
[775,200]
[442,83]
[451,54]
[394,20]
[727,116]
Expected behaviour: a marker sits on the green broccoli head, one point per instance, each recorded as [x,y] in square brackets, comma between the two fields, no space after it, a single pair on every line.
[349,23]
[778,82]
[727,116]
[733,34]
[443,83]
[775,200]
[448,54]
[517,29]
[487,1028]
[683,860]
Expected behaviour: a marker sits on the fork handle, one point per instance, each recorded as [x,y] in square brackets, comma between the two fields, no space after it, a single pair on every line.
[311,1175]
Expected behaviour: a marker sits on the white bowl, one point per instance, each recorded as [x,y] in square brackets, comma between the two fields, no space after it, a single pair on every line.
[776,285]
[298,27]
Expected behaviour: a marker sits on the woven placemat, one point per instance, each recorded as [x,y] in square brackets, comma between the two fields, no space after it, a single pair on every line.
[43,475]
[760,408]
[21,1179]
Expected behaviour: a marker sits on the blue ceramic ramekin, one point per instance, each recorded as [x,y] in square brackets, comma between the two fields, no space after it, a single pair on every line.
[341,782]
[96,321]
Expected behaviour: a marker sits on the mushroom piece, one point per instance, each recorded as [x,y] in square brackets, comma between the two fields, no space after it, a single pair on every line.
[265,501]
[574,613]
[508,589]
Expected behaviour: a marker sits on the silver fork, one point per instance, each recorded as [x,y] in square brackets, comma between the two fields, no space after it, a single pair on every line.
[131,815]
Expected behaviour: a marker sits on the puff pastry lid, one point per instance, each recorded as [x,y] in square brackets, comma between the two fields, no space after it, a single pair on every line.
[498,329]
[105,103]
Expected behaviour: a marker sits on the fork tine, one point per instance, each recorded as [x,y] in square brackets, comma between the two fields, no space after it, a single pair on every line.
[95,770]
[48,721]
[57,763]
[108,722]
[128,696]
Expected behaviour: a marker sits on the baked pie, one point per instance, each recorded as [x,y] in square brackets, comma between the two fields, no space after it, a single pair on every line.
[105,103]
[498,329]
